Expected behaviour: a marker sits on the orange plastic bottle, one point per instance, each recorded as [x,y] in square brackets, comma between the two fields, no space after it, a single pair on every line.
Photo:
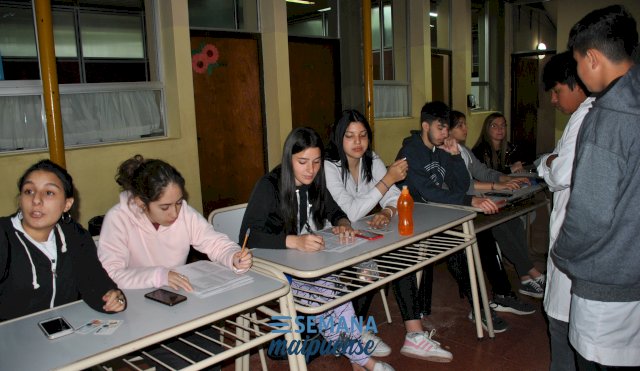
[405,212]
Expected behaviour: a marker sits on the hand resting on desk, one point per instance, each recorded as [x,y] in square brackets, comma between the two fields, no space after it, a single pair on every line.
[486,204]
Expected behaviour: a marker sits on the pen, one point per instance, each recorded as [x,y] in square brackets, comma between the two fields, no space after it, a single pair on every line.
[244,244]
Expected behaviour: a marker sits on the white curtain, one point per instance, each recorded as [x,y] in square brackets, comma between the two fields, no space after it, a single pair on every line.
[21,123]
[390,100]
[86,118]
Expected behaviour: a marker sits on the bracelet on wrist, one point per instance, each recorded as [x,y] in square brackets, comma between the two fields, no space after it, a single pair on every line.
[390,211]
[385,184]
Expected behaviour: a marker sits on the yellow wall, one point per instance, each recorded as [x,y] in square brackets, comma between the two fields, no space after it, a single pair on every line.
[93,168]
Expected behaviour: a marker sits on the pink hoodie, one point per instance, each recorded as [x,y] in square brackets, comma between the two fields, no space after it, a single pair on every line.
[136,255]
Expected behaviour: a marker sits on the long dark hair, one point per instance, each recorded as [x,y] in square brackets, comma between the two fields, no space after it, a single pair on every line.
[485,140]
[335,149]
[147,179]
[299,140]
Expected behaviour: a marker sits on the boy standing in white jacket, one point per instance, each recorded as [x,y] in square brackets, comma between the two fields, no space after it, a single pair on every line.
[569,96]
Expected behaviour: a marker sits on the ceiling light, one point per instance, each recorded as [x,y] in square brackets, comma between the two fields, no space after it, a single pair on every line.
[301,2]
[432,14]
[324,10]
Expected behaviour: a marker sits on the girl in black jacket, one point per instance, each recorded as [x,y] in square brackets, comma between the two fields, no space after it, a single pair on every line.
[47,259]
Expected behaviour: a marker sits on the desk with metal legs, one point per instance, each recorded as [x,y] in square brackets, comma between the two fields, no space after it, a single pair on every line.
[239,315]
[438,233]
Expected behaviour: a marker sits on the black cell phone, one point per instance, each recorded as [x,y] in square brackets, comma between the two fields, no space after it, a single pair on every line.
[498,194]
[368,235]
[55,327]
[165,297]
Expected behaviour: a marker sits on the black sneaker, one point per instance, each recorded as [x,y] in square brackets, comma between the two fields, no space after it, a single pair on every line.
[531,288]
[511,304]
[499,325]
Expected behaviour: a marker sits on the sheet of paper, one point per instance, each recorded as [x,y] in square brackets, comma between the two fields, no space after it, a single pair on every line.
[332,242]
[208,278]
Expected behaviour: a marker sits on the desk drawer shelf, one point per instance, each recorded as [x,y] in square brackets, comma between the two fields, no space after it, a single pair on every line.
[318,295]
[206,346]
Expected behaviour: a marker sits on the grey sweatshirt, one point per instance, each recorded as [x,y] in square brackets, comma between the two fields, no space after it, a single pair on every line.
[598,246]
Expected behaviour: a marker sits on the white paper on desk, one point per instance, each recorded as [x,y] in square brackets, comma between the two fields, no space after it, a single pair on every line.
[208,278]
[332,241]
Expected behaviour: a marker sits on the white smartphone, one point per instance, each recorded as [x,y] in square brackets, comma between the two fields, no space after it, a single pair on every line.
[55,327]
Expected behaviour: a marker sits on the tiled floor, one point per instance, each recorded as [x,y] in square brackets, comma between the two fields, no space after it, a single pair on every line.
[524,346]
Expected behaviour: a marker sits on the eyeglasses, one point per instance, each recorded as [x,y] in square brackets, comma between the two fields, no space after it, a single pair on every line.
[498,126]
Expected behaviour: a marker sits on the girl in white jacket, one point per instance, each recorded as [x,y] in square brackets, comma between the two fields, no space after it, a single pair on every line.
[150,231]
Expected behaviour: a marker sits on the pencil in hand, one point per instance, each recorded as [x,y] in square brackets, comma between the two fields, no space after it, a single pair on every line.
[244,244]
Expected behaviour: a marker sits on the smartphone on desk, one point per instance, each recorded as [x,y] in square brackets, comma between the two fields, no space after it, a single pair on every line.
[165,297]
[55,327]
[368,235]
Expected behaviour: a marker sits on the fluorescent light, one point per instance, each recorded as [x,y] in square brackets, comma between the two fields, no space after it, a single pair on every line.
[301,2]
[324,10]
[433,14]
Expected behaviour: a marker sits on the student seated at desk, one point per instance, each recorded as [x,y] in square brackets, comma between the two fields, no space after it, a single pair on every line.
[437,173]
[286,206]
[486,179]
[150,231]
[358,180]
[42,238]
[492,147]
[493,150]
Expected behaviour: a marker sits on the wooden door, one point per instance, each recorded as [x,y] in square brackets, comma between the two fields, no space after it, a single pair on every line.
[532,116]
[229,116]
[314,67]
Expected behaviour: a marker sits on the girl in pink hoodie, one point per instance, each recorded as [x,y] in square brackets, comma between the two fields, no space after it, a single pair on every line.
[149,232]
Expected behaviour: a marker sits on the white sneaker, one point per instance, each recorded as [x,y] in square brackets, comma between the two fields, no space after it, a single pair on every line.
[381,366]
[421,345]
[380,349]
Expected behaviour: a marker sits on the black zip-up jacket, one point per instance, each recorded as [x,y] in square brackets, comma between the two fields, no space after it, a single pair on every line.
[27,284]
[264,218]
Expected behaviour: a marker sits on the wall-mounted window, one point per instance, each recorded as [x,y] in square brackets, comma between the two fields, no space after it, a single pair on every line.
[317,18]
[389,38]
[488,48]
[237,15]
[439,23]
[108,91]
[480,53]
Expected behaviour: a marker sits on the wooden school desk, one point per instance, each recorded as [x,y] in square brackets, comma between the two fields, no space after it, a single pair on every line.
[24,347]
[434,238]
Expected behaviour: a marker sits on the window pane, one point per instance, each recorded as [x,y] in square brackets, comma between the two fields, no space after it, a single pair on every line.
[318,19]
[111,36]
[111,116]
[22,126]
[375,29]
[17,32]
[21,68]
[115,71]
[388,27]
[64,34]
[439,22]
[221,14]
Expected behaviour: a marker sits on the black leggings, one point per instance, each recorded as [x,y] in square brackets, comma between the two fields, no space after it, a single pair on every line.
[414,302]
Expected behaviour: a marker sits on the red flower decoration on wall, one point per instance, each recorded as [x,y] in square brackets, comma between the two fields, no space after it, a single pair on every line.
[211,53]
[199,63]
[205,58]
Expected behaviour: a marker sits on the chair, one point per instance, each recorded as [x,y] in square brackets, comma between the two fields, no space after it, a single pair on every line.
[227,220]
